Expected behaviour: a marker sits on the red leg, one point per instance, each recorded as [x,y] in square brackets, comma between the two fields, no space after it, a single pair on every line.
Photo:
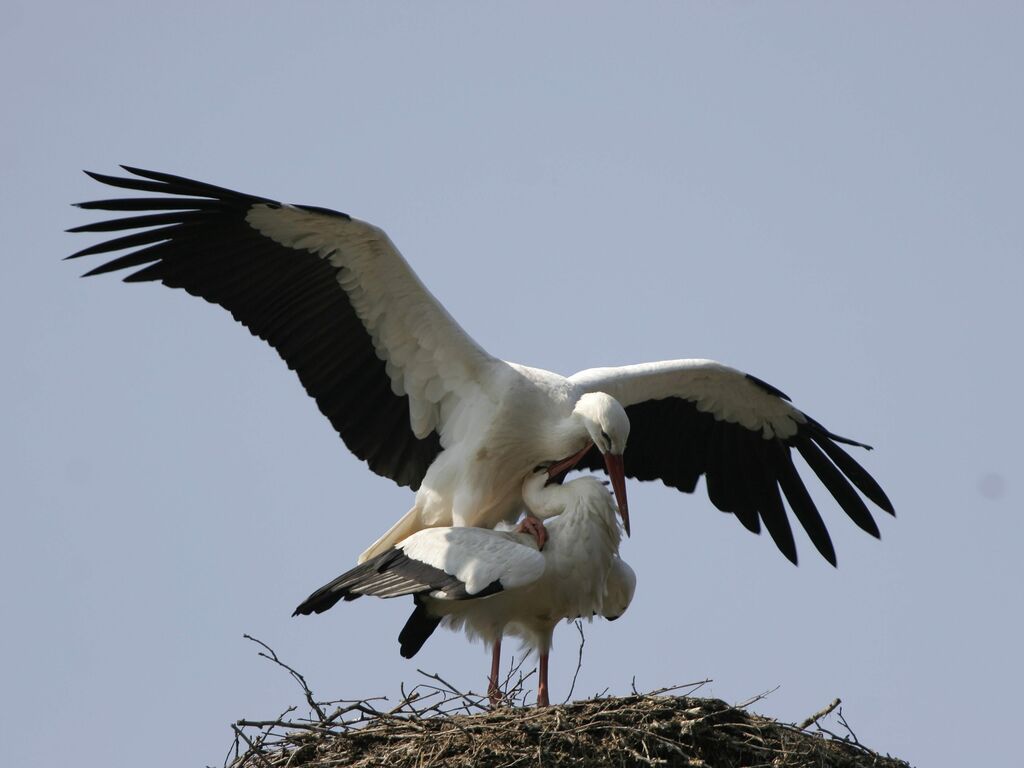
[493,689]
[534,526]
[542,684]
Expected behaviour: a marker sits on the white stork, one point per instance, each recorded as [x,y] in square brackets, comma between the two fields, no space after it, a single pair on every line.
[416,398]
[491,582]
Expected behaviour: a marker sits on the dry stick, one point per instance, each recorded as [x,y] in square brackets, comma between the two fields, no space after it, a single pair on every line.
[356,706]
[453,689]
[292,724]
[228,755]
[361,705]
[288,711]
[517,692]
[579,661]
[407,699]
[695,686]
[252,747]
[846,725]
[298,677]
[755,699]
[845,740]
[819,714]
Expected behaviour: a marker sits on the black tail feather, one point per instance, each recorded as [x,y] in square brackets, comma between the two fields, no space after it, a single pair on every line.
[417,629]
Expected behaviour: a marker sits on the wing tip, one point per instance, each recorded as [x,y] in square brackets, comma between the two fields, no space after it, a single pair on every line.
[827,550]
[102,178]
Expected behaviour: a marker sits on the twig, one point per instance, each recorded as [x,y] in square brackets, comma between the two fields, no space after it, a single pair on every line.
[284,724]
[253,750]
[757,698]
[579,661]
[407,699]
[459,694]
[819,714]
[694,686]
[234,748]
[846,725]
[298,677]
[517,693]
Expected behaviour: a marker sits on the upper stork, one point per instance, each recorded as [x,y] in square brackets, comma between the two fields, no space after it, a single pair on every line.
[414,396]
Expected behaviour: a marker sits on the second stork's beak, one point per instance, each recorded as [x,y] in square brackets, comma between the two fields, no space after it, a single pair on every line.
[617,473]
[559,467]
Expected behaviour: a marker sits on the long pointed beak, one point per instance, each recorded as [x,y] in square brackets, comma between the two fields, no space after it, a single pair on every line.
[617,473]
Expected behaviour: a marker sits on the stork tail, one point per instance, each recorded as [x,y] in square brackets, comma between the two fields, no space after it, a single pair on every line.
[417,629]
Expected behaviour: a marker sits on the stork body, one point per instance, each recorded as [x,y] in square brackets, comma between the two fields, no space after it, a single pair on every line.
[489,583]
[416,398]
[534,417]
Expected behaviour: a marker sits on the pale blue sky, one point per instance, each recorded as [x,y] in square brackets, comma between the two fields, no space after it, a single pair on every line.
[828,196]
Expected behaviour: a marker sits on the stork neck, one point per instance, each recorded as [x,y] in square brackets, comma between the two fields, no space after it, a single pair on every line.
[578,499]
[545,501]
[569,436]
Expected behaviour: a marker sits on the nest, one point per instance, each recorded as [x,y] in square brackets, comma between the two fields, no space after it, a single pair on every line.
[436,725]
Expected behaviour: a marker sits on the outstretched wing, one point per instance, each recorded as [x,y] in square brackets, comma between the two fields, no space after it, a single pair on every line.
[382,358]
[697,417]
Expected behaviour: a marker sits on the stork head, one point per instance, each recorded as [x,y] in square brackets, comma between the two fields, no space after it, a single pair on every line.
[605,420]
[607,425]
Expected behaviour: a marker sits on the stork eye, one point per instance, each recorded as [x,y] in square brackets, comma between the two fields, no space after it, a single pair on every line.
[607,440]
[542,467]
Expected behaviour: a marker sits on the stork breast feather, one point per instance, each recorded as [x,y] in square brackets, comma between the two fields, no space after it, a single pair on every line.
[476,556]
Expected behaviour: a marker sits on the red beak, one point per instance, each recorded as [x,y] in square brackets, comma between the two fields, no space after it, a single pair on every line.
[617,473]
[566,464]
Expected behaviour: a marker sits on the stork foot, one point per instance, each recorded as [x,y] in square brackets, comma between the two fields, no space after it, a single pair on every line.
[542,697]
[495,696]
[542,681]
[535,528]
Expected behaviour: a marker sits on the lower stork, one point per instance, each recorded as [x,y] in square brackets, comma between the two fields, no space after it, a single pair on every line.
[492,582]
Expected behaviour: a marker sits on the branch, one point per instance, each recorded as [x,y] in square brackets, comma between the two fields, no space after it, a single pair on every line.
[466,697]
[849,730]
[297,677]
[253,749]
[755,699]
[819,714]
[579,661]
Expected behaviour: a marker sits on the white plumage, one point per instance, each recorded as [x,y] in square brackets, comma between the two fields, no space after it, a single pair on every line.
[490,583]
[422,403]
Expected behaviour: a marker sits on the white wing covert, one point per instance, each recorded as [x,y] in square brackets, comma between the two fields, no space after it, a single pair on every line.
[443,563]
[477,557]
[427,355]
